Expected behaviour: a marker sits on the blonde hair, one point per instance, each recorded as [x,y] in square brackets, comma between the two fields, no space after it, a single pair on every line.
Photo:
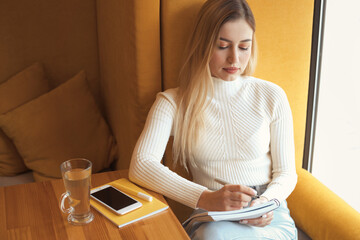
[195,83]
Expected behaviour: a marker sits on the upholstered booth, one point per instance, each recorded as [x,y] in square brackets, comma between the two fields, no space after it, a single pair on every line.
[44,117]
[45,43]
[129,51]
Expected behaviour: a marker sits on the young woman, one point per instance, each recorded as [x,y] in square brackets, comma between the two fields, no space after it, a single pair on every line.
[226,124]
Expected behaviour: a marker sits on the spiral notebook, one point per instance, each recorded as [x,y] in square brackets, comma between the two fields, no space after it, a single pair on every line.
[236,215]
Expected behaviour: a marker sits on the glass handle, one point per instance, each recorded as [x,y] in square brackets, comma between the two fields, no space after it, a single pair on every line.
[62,203]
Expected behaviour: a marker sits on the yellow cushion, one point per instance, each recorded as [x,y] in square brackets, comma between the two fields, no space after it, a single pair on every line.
[320,212]
[21,88]
[38,177]
[61,124]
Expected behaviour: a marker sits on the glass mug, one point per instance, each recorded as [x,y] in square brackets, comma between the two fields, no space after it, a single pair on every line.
[76,174]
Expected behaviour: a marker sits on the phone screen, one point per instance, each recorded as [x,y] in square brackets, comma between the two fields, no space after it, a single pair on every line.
[113,198]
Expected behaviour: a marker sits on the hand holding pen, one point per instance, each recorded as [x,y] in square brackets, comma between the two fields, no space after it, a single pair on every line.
[229,197]
[223,182]
[259,222]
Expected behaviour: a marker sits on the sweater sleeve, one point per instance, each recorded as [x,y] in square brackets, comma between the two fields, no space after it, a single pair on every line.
[146,168]
[282,150]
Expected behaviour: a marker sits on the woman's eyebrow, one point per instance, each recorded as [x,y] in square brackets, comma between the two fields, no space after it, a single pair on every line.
[227,40]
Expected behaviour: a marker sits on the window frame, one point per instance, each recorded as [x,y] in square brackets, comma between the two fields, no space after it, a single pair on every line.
[314,82]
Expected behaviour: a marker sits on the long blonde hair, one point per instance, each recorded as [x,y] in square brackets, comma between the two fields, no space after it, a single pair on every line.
[195,83]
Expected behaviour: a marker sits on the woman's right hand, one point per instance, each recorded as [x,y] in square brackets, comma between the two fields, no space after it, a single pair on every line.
[229,197]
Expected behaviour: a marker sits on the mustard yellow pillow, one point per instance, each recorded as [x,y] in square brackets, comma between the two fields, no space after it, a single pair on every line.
[61,124]
[21,88]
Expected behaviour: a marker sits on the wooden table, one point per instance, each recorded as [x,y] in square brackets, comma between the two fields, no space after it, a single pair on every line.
[31,211]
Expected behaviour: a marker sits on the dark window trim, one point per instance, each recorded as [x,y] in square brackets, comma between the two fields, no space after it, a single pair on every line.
[314,81]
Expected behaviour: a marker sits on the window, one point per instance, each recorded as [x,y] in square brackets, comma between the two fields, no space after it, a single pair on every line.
[336,139]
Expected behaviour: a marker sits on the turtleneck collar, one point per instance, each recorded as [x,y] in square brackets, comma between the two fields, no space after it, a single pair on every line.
[227,89]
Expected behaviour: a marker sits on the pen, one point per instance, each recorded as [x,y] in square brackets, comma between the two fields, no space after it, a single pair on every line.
[224,182]
[132,192]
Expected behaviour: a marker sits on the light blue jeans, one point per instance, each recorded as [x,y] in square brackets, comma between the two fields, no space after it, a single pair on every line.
[282,227]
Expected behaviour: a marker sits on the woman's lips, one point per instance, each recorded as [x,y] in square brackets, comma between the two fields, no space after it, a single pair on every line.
[231,70]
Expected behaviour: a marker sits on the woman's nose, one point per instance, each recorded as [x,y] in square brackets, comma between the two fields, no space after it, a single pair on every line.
[233,56]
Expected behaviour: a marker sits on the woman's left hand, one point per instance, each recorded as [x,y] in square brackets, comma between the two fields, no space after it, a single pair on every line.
[262,221]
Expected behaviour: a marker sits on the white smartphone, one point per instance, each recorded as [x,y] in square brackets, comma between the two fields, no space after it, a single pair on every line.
[114,199]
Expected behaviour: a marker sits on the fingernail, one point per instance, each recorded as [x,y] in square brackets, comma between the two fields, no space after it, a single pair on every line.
[264,216]
[244,222]
[255,192]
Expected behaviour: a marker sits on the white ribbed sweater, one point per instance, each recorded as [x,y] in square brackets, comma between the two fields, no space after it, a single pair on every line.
[248,139]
